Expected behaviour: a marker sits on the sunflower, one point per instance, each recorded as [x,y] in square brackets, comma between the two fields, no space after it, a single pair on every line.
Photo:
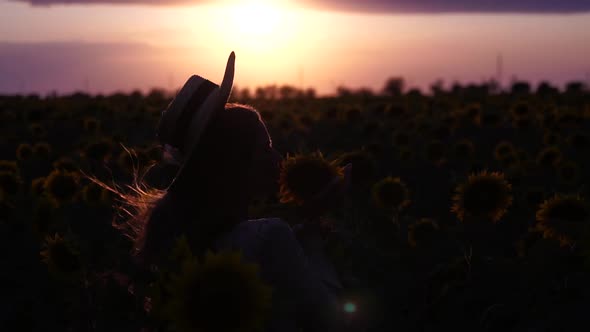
[549,157]
[37,130]
[63,261]
[364,166]
[579,142]
[38,186]
[10,183]
[304,176]
[491,119]
[520,110]
[391,193]
[405,154]
[485,195]
[65,164]
[9,166]
[221,294]
[93,194]
[464,149]
[61,186]
[569,172]
[503,150]
[127,161]
[436,151]
[42,220]
[353,115]
[42,150]
[422,232]
[564,218]
[24,151]
[99,150]
[551,138]
[534,196]
[401,139]
[91,125]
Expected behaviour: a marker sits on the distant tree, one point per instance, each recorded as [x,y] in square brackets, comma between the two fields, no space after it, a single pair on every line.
[310,93]
[343,91]
[521,88]
[575,87]
[287,92]
[260,93]
[394,86]
[437,87]
[546,89]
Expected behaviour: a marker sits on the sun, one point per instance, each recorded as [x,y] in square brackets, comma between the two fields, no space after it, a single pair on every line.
[255,18]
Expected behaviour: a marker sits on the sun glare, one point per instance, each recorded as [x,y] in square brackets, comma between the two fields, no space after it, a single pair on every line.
[256,18]
[260,25]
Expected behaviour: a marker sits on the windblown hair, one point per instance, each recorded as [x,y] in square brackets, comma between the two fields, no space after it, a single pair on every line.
[207,199]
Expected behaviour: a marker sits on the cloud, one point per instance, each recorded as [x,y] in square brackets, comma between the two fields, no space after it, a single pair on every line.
[388,6]
[455,6]
[112,2]
[70,66]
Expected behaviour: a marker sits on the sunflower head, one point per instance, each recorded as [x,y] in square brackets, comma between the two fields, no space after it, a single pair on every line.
[61,186]
[223,293]
[520,110]
[91,125]
[38,186]
[65,164]
[304,176]
[391,193]
[63,261]
[564,218]
[42,150]
[37,130]
[422,232]
[436,151]
[551,138]
[10,183]
[491,119]
[99,150]
[9,166]
[568,172]
[503,150]
[549,157]
[364,168]
[24,152]
[42,220]
[93,194]
[464,149]
[485,195]
[579,142]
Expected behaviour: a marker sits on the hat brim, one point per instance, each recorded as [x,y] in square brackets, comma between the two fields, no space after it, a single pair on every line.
[216,101]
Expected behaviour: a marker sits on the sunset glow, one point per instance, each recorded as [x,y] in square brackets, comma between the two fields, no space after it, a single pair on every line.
[88,45]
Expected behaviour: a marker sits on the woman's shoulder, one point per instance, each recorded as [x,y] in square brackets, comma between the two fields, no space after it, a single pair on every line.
[254,232]
[266,225]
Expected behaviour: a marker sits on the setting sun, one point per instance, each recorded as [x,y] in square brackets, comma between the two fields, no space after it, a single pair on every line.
[255,18]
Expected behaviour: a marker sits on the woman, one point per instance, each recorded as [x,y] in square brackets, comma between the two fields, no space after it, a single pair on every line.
[226,157]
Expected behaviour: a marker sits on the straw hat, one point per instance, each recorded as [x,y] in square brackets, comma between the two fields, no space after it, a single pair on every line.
[187,116]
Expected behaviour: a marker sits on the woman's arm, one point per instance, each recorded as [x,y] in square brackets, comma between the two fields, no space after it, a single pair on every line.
[317,304]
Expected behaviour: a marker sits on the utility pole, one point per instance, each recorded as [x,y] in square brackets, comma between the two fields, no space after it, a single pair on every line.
[499,69]
[301,76]
[86,85]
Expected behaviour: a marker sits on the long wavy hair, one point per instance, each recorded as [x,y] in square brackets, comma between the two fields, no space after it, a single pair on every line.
[209,198]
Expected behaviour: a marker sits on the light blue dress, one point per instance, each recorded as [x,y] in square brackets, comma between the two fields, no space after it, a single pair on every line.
[304,283]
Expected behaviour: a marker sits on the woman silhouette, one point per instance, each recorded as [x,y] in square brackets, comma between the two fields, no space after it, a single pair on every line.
[226,157]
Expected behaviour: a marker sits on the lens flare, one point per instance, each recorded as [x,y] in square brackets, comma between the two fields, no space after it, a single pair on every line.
[350,307]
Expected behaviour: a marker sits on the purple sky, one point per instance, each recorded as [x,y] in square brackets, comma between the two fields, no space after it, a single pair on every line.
[103,47]
[395,6]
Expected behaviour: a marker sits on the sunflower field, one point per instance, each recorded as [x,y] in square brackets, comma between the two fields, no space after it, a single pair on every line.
[467,208]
